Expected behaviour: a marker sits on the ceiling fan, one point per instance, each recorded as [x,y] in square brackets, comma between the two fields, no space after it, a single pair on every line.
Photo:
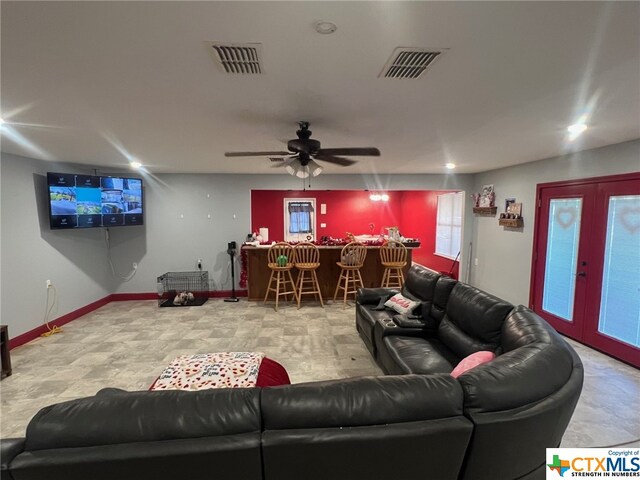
[299,160]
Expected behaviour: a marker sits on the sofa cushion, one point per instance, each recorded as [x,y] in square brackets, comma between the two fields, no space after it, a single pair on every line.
[419,355]
[472,361]
[420,283]
[473,320]
[441,293]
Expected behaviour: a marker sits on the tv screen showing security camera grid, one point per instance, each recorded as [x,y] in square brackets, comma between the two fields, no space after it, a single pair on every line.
[86,201]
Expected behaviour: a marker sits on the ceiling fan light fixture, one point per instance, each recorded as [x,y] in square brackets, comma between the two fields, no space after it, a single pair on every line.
[314,168]
[296,169]
[302,172]
[291,168]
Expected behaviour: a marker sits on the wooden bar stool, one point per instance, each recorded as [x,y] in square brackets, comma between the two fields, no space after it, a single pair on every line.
[307,261]
[351,261]
[280,260]
[393,257]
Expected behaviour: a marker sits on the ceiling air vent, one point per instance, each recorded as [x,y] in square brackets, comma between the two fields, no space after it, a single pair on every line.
[242,58]
[410,62]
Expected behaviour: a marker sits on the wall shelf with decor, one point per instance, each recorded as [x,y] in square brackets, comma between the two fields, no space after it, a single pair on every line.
[511,222]
[485,210]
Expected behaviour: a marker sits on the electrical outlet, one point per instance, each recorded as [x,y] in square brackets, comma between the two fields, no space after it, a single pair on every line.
[134,265]
[49,284]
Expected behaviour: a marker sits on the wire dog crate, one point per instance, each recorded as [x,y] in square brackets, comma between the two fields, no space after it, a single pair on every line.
[183,289]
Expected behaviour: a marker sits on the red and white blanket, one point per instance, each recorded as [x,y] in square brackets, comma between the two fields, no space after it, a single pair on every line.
[211,370]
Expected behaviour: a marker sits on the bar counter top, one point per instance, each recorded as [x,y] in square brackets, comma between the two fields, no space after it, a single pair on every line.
[258,272]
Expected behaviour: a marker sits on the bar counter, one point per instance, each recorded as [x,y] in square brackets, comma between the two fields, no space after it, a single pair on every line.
[258,272]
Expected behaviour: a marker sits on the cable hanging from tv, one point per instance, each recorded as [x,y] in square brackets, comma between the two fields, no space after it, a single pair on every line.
[115,273]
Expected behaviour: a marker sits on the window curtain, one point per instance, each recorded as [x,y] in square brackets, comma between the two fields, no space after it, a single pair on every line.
[300,217]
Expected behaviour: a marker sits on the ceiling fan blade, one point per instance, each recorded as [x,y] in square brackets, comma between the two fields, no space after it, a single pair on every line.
[254,154]
[364,151]
[282,162]
[345,162]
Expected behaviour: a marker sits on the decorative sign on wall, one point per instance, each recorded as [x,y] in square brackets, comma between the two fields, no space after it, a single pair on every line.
[512,215]
[487,197]
[485,201]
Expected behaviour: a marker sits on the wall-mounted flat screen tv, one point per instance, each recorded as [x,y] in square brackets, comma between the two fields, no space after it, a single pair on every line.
[86,201]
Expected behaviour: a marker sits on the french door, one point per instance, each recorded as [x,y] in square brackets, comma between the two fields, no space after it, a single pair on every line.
[586,262]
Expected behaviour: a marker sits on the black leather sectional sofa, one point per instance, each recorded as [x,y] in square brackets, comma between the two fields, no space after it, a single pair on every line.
[519,404]
[419,422]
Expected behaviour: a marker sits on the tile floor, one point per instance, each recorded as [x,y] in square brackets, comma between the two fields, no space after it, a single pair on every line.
[127,344]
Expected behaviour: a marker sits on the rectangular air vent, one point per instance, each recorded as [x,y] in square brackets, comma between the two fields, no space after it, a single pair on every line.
[406,62]
[242,58]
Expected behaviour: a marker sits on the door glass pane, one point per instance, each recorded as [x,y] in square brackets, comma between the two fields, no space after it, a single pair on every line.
[620,301]
[562,257]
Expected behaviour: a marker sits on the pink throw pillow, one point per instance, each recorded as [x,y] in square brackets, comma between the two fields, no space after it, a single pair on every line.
[473,360]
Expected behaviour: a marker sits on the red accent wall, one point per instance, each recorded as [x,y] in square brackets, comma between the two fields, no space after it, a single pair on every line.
[414,212]
[418,220]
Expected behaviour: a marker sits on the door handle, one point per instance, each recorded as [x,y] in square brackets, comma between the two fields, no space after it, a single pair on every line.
[581,274]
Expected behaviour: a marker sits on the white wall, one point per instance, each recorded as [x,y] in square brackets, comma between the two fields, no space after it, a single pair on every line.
[31,253]
[76,260]
[504,255]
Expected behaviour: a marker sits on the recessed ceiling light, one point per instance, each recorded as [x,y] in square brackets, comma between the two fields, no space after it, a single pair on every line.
[325,27]
[450,166]
[135,165]
[577,128]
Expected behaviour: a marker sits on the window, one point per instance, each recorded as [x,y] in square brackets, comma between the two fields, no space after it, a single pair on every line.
[299,219]
[449,224]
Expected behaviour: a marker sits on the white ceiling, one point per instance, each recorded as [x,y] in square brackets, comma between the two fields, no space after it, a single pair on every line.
[95,82]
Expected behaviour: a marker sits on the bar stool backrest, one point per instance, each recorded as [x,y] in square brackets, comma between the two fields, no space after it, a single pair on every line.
[353,254]
[279,250]
[306,254]
[393,252]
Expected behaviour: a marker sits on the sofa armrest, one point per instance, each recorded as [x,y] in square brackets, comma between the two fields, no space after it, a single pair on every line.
[10,448]
[372,296]
[388,327]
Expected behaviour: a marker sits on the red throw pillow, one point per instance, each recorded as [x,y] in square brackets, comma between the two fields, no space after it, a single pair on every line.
[271,373]
[473,360]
